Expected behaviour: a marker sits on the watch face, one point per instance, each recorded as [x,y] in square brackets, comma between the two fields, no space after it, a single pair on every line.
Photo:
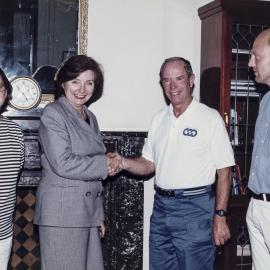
[26,93]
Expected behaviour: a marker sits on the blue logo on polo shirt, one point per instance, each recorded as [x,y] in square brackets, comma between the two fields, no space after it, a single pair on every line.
[190,132]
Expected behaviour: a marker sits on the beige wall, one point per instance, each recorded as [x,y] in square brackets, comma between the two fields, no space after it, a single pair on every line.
[131,39]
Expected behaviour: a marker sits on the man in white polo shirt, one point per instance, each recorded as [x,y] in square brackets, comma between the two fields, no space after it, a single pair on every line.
[187,144]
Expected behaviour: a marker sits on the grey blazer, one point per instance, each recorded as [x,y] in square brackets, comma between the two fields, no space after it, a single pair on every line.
[73,164]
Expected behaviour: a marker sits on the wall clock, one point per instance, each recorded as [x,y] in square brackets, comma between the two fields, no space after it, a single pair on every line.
[26,93]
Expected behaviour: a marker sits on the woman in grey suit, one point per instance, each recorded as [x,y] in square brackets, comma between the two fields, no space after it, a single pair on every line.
[69,206]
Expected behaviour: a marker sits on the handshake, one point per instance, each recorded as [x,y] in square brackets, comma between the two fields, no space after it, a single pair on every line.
[115,163]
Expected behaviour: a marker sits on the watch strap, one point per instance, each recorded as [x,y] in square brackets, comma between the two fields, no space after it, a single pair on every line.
[221,212]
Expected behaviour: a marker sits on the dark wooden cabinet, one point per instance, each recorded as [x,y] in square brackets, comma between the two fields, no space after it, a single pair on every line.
[228,30]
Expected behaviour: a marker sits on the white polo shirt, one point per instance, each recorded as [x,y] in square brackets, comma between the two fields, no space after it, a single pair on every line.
[189,149]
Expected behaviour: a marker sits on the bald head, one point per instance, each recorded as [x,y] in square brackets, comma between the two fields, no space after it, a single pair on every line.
[264,35]
[260,57]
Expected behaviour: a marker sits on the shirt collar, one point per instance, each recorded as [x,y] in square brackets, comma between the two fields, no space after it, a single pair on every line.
[188,110]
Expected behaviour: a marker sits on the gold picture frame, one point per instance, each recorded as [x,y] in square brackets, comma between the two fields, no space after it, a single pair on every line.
[83,27]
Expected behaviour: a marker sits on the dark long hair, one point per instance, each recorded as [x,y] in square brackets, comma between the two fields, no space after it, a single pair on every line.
[8,87]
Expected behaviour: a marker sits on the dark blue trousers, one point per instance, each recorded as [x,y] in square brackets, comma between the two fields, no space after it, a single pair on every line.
[181,232]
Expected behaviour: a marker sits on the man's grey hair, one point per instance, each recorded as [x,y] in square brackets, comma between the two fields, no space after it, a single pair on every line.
[187,65]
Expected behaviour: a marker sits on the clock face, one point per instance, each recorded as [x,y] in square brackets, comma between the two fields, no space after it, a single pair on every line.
[26,93]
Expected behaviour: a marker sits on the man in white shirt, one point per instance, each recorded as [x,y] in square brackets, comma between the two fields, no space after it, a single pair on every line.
[187,144]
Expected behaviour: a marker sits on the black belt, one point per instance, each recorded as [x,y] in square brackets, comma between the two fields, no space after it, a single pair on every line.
[261,197]
[185,192]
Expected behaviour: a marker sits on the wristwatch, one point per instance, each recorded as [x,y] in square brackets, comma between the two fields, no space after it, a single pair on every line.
[221,213]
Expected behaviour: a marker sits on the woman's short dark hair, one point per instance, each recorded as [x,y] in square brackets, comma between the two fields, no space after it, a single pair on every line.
[73,67]
[8,87]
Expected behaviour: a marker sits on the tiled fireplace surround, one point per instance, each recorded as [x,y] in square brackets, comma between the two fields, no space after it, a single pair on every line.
[123,200]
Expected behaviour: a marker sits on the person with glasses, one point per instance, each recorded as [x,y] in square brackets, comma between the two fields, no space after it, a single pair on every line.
[11,163]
